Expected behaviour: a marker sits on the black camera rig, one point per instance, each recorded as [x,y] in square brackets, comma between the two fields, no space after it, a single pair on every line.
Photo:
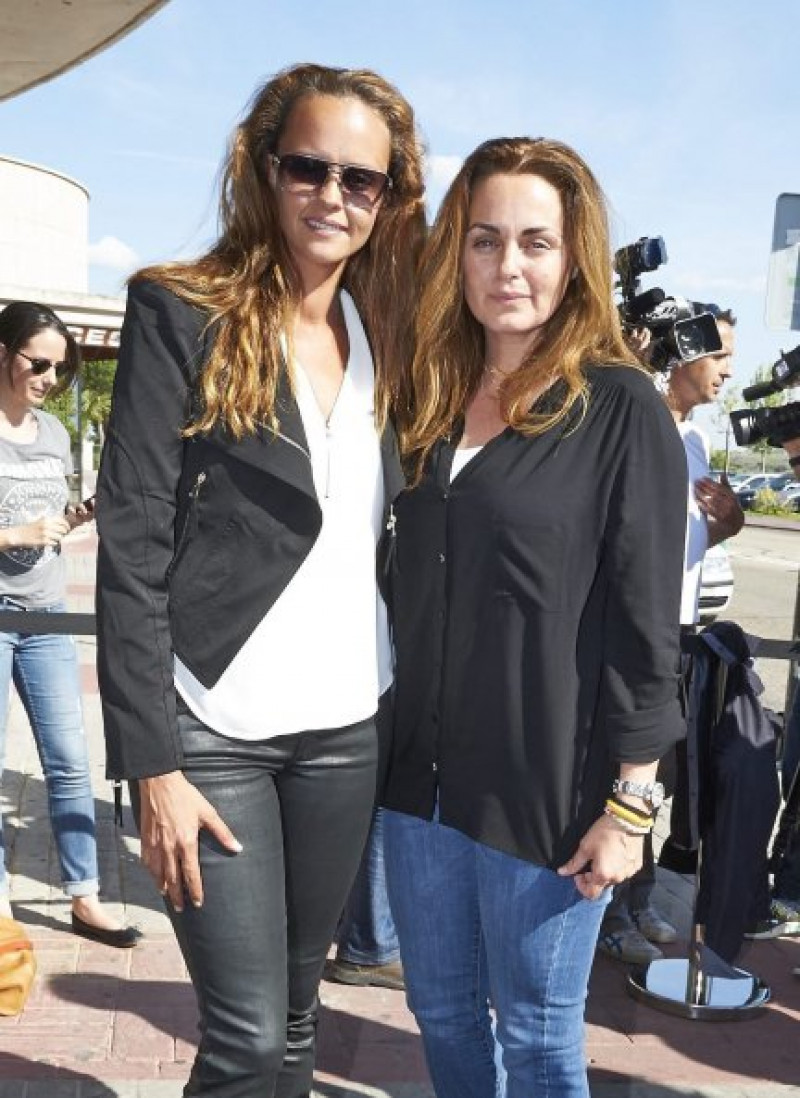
[680,330]
[773,425]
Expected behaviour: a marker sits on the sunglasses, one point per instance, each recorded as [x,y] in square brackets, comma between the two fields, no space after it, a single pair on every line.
[42,365]
[301,174]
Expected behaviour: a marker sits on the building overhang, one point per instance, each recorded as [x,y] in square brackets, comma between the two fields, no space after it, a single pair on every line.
[94,319]
[40,39]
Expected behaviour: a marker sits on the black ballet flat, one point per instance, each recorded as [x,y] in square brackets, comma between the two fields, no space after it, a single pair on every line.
[124,938]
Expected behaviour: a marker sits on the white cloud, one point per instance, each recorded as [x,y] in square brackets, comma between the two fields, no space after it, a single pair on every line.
[114,254]
[697,280]
[442,171]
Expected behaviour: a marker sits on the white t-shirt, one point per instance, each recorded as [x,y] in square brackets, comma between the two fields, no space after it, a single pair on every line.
[321,657]
[695,443]
[462,458]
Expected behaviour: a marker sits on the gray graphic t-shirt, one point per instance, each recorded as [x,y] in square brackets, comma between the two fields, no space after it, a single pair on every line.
[32,485]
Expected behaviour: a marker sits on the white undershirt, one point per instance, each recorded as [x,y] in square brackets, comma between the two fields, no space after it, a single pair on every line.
[695,444]
[321,657]
[462,458]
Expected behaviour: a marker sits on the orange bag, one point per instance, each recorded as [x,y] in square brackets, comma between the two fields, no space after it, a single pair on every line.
[17,966]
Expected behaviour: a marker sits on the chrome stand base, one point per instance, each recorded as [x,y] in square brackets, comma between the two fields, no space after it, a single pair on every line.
[677,987]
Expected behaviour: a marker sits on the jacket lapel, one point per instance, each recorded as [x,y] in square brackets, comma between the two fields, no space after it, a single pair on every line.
[283,454]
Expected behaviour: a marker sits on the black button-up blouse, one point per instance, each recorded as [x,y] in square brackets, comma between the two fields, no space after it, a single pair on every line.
[536,604]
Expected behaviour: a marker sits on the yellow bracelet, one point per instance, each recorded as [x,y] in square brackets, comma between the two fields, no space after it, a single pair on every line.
[630,816]
[645,817]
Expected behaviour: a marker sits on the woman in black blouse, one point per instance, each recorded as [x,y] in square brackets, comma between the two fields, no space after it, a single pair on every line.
[536,580]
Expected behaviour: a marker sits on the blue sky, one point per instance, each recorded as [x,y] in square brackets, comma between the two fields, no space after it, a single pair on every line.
[687,110]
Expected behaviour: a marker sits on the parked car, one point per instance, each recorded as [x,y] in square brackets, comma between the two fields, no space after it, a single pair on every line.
[775,482]
[792,498]
[716,582]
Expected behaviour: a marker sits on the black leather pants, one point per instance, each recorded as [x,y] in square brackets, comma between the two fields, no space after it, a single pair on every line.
[301,807]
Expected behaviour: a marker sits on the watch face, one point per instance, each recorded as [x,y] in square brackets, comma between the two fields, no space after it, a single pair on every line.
[657,795]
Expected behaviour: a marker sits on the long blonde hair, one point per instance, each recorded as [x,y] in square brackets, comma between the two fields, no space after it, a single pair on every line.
[449,359]
[248,284]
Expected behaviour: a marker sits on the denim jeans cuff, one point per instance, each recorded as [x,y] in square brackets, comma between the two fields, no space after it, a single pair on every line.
[78,889]
[368,959]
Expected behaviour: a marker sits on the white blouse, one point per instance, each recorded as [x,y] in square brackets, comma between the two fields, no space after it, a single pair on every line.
[321,657]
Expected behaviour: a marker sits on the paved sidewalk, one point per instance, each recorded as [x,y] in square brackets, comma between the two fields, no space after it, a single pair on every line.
[104,1023]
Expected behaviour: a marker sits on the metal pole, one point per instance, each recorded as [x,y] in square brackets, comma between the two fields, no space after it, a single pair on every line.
[793,682]
[79,430]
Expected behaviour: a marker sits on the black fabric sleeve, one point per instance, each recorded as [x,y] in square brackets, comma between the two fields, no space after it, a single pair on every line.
[137,489]
[643,552]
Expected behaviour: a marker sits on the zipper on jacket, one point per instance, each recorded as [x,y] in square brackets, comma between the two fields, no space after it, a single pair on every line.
[291,441]
[194,494]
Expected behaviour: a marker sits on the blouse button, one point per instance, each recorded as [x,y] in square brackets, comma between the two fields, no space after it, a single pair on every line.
[441,558]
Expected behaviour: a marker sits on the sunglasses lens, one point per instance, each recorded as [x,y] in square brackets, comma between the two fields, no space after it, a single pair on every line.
[364,182]
[303,171]
[42,365]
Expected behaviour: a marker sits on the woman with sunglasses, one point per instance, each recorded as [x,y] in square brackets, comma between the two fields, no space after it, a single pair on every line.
[247,470]
[39,356]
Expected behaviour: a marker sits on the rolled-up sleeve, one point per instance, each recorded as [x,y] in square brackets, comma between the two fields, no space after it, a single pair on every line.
[643,558]
[136,507]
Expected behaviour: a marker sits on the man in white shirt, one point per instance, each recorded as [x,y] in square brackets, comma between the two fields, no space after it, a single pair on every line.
[632,925]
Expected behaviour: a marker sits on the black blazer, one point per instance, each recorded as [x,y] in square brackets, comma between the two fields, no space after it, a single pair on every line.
[198,538]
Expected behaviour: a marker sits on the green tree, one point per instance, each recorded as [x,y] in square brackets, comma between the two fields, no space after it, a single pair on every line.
[97,379]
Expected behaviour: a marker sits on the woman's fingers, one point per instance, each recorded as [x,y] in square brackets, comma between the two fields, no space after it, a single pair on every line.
[605,856]
[173,813]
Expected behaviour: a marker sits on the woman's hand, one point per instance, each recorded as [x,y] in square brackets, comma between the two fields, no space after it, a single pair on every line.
[44,531]
[173,811]
[605,856]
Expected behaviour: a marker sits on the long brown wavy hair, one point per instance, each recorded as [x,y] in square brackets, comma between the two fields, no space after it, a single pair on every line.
[585,328]
[248,284]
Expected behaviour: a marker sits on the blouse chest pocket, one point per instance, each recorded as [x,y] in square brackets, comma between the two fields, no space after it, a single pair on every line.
[531,563]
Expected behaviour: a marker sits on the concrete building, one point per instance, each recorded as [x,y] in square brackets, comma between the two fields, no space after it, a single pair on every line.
[43,253]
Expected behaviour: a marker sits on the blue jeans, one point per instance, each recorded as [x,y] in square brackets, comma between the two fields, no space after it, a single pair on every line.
[44,669]
[479,926]
[366,934]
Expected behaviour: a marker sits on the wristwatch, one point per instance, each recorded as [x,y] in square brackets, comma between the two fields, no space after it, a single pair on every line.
[652,793]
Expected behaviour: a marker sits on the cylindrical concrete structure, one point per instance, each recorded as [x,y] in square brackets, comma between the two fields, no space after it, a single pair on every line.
[43,228]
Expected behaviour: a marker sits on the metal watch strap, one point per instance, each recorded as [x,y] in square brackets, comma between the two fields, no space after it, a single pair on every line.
[645,790]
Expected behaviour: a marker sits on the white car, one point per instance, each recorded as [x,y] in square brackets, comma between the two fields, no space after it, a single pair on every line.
[716,582]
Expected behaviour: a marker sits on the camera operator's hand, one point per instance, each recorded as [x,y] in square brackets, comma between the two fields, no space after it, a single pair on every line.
[719,504]
[638,340]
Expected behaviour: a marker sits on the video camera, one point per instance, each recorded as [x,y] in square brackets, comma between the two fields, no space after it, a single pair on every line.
[680,330]
[774,425]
